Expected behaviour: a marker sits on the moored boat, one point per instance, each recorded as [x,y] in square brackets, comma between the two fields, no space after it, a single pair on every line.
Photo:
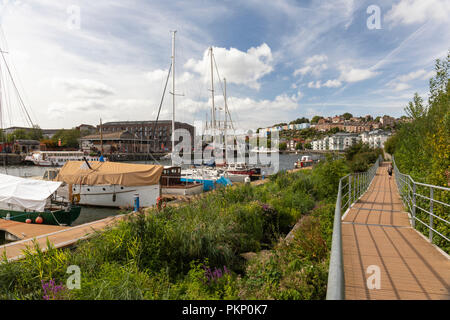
[210,178]
[304,162]
[58,158]
[111,184]
[31,201]
[171,183]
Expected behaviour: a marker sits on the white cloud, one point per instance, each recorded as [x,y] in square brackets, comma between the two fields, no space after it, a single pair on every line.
[60,110]
[314,65]
[315,85]
[349,74]
[332,83]
[83,88]
[411,76]
[400,82]
[157,75]
[329,84]
[429,75]
[401,86]
[418,11]
[237,66]
[318,58]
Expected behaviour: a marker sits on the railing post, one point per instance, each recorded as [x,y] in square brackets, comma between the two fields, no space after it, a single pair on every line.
[359,185]
[414,206]
[349,191]
[431,215]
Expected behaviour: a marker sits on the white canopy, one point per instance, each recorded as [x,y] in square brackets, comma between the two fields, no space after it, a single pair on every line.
[25,193]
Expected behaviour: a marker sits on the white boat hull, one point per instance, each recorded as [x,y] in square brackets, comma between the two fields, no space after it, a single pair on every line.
[184,191]
[236,177]
[116,195]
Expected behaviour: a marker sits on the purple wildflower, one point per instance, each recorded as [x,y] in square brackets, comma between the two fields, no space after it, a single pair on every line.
[215,275]
[51,290]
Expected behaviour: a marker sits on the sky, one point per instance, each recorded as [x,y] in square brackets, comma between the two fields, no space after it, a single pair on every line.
[78,61]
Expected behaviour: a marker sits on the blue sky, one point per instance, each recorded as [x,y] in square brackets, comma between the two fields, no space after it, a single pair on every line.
[282,59]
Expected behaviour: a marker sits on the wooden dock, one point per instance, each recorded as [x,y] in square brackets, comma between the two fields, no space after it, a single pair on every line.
[60,237]
[376,231]
[22,230]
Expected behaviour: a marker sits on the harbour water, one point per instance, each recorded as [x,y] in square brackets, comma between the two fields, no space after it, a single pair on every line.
[88,214]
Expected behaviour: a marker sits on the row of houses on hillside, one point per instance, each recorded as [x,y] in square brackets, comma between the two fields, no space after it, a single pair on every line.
[343,140]
[299,126]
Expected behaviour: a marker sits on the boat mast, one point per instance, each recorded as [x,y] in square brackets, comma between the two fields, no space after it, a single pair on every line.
[225,121]
[101,135]
[2,133]
[213,111]
[173,94]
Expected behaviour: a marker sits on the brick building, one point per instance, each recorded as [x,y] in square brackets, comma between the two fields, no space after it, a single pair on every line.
[155,138]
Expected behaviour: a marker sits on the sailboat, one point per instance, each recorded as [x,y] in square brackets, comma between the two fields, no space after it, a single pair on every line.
[171,178]
[210,176]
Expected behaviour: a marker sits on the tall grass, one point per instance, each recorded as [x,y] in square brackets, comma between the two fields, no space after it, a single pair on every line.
[164,254]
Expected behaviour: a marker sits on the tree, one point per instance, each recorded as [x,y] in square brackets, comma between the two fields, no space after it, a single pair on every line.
[308,146]
[422,149]
[389,145]
[18,134]
[299,146]
[300,120]
[334,130]
[415,109]
[84,133]
[282,146]
[69,138]
[377,119]
[316,119]
[347,116]
[35,133]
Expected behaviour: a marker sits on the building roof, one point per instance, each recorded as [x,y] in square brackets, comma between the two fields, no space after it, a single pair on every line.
[116,123]
[119,135]
[22,141]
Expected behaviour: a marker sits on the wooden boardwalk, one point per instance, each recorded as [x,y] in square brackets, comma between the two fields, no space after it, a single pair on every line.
[376,231]
[22,230]
[59,236]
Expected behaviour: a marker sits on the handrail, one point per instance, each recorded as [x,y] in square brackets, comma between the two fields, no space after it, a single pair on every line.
[409,192]
[357,185]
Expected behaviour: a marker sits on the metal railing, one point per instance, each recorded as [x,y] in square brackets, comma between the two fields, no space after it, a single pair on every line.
[351,188]
[421,200]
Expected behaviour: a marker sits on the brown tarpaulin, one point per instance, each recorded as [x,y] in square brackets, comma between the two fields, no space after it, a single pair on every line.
[125,174]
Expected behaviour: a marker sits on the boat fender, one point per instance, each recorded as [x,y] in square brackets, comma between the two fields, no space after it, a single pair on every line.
[76,198]
[114,197]
[39,220]
[28,220]
[158,203]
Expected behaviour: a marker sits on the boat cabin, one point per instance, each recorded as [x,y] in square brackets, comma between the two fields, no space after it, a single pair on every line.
[170,176]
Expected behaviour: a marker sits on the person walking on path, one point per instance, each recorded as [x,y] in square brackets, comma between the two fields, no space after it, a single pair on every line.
[390,170]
